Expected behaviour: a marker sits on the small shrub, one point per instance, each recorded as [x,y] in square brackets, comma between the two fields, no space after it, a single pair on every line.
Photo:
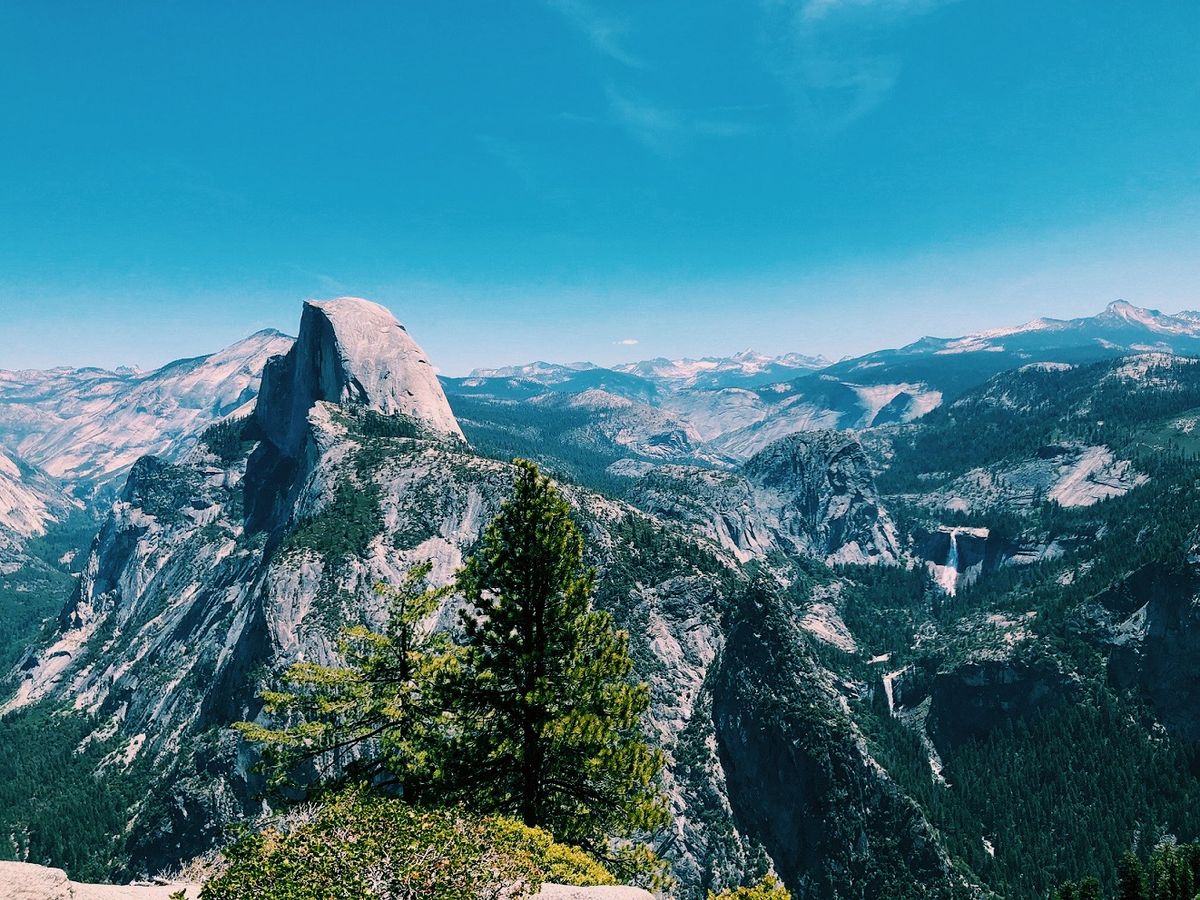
[767,889]
[570,865]
[360,845]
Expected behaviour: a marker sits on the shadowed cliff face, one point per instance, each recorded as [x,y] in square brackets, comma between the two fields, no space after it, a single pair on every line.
[799,777]
[972,699]
[1156,642]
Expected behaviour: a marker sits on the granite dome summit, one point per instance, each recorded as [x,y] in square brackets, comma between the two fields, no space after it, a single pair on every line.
[350,351]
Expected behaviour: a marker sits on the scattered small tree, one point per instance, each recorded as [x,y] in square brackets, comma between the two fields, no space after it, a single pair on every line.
[768,888]
[1131,876]
[384,695]
[550,720]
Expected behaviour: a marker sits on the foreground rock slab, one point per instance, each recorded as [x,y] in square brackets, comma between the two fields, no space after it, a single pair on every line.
[25,881]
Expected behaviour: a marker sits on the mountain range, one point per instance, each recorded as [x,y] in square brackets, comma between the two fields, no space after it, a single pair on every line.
[874,599]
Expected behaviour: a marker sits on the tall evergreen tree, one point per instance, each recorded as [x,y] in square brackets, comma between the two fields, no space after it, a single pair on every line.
[1131,878]
[551,720]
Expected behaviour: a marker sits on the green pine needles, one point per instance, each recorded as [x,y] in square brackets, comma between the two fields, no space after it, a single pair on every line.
[382,712]
[551,723]
[534,714]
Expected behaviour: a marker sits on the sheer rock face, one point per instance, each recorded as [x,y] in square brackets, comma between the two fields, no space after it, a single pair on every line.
[809,494]
[820,487]
[353,353]
[1152,628]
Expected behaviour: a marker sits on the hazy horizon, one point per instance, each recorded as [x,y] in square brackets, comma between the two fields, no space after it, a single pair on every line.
[630,351]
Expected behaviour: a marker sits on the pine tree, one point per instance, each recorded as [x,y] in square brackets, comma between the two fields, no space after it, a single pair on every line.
[551,721]
[381,710]
[1132,878]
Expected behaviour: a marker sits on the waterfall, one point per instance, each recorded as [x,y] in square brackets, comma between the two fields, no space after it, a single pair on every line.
[946,575]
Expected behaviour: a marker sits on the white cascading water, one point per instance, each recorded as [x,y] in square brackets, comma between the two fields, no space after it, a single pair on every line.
[947,575]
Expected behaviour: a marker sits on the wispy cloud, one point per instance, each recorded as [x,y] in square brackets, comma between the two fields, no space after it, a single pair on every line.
[666,130]
[511,155]
[627,342]
[815,10]
[602,31]
[834,56]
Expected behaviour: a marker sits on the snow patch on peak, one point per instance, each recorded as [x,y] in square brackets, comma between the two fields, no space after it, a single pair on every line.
[1151,319]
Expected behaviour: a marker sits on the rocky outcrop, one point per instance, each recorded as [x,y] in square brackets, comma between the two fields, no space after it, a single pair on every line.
[349,352]
[809,495]
[1071,474]
[820,489]
[1154,641]
[25,881]
[718,504]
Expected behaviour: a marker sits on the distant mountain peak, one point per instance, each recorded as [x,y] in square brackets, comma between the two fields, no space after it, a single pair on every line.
[534,370]
[1151,319]
[744,363]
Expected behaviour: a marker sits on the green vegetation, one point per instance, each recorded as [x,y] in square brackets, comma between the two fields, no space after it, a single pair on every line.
[344,527]
[385,695]
[65,544]
[1053,795]
[36,591]
[551,721]
[550,436]
[54,808]
[28,597]
[767,889]
[361,845]
[534,716]
[161,489]
[230,439]
[371,424]
[1019,412]
[1170,872]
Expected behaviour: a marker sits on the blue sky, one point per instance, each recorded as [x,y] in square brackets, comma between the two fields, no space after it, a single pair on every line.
[557,178]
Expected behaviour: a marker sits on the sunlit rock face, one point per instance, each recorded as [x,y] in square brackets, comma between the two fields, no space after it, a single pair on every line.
[820,486]
[349,352]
